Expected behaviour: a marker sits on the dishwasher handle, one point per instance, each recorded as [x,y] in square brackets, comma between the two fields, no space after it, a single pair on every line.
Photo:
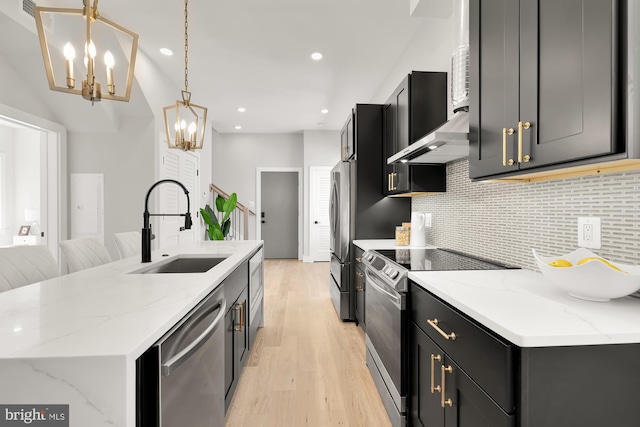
[177,360]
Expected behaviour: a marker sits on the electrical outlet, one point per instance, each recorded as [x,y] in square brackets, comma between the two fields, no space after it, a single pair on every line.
[589,233]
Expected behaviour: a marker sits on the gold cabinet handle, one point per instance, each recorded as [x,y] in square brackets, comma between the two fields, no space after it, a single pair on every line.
[393,181]
[525,125]
[358,259]
[506,132]
[504,146]
[434,388]
[243,314]
[239,308]
[444,403]
[359,277]
[434,325]
[389,181]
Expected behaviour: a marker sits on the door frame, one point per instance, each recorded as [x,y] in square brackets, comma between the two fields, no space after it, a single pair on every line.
[300,202]
[56,179]
[163,148]
[308,220]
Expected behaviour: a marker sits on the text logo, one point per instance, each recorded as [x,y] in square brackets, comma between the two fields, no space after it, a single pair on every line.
[34,415]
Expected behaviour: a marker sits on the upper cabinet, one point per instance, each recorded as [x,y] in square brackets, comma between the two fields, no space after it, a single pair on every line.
[544,84]
[416,107]
[346,139]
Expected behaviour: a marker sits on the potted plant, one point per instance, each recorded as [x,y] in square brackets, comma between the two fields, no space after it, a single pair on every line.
[217,229]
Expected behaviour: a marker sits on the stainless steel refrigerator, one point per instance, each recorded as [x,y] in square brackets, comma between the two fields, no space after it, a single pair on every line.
[358,208]
[340,239]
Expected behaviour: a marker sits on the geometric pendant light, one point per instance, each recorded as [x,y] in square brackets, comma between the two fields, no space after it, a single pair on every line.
[88,33]
[185,122]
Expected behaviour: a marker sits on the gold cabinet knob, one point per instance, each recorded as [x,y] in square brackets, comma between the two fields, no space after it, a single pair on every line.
[510,162]
[526,158]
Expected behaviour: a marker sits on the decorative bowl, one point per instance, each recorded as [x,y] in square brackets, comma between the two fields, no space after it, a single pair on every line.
[593,280]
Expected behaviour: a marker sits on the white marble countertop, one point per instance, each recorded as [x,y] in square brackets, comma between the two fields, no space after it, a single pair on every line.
[75,339]
[106,311]
[526,309]
[373,244]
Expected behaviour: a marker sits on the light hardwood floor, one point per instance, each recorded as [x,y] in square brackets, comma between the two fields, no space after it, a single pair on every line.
[306,368]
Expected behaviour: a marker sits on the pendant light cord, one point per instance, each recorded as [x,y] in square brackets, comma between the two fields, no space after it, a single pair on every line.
[186,45]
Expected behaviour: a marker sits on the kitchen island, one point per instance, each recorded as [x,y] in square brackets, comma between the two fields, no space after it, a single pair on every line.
[75,339]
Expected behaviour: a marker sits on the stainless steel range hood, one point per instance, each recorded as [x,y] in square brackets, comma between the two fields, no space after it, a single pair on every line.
[450,141]
[447,143]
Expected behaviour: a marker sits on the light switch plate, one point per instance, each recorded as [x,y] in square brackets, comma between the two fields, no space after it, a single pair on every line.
[427,220]
[589,232]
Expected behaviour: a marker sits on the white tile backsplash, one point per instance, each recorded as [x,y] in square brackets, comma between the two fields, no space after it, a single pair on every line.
[503,221]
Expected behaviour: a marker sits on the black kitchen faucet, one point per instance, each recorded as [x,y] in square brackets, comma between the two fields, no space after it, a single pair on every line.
[146,230]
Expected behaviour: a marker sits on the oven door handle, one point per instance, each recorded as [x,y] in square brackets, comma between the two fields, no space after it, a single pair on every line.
[371,280]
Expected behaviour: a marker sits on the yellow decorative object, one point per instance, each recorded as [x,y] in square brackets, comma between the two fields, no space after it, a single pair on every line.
[607,263]
[560,263]
[601,280]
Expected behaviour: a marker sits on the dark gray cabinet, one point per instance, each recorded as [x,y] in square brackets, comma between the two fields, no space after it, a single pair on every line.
[347,145]
[416,107]
[361,287]
[236,341]
[544,84]
[481,379]
[443,395]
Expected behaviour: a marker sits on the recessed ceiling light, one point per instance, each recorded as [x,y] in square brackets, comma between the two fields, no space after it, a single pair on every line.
[324,111]
[166,51]
[316,56]
[241,109]
[237,127]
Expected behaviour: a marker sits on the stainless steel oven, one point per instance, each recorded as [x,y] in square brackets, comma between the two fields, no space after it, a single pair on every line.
[386,336]
[386,333]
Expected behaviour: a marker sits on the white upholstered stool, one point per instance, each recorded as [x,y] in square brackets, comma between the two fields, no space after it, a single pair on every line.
[23,265]
[84,253]
[128,243]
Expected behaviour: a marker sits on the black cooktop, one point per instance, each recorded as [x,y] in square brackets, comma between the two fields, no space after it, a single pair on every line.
[416,259]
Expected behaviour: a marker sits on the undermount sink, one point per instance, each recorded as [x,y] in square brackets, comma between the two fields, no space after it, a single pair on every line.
[183,265]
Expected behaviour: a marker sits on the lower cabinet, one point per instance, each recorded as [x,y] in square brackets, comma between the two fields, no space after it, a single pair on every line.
[463,374]
[359,280]
[361,292]
[236,344]
[236,329]
[443,395]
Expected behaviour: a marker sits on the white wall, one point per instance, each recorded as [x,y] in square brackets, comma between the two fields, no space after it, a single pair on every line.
[321,148]
[429,50]
[7,148]
[126,159]
[27,173]
[22,162]
[236,157]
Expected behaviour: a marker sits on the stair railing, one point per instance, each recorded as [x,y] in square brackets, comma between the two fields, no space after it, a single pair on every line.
[239,217]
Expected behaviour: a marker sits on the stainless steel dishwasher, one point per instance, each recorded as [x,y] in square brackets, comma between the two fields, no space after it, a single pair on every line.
[181,377]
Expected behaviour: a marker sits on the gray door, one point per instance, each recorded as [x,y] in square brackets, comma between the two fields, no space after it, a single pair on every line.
[279,216]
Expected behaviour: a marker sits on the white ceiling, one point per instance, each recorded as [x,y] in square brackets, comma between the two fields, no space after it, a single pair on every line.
[256,54]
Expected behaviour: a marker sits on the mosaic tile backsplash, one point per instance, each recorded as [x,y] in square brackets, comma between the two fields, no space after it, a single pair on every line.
[504,221]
